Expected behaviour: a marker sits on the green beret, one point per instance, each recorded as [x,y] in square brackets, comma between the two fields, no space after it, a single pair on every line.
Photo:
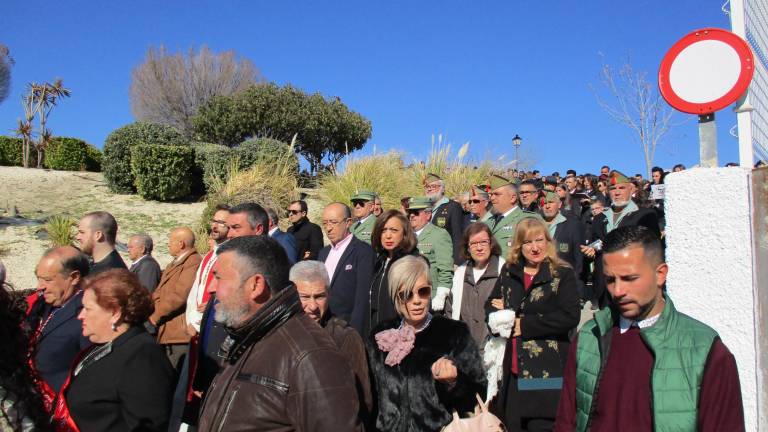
[548,197]
[496,181]
[617,177]
[418,203]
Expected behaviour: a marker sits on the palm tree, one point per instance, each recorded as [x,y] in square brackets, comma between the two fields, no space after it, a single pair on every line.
[44,97]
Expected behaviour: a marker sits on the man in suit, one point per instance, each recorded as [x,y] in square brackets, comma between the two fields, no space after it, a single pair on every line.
[434,245]
[286,240]
[97,234]
[142,262]
[447,214]
[362,205]
[170,297]
[57,333]
[507,213]
[349,262]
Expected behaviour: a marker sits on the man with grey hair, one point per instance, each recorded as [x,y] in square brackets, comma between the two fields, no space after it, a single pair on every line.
[142,262]
[311,280]
[97,235]
[285,239]
[506,211]
[447,214]
[280,371]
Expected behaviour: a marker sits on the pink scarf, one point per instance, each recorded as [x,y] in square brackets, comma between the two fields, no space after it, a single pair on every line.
[397,343]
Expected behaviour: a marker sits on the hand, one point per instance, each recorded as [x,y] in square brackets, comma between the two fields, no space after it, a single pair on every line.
[497,303]
[444,371]
[201,308]
[517,332]
[306,255]
[191,330]
[588,251]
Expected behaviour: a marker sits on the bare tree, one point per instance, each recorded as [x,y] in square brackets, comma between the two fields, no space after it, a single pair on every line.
[6,62]
[636,103]
[169,88]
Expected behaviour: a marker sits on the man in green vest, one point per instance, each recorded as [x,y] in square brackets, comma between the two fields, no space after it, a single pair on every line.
[640,365]
[435,245]
[362,210]
[506,212]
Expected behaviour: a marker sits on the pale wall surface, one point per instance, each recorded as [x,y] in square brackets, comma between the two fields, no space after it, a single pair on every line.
[709,246]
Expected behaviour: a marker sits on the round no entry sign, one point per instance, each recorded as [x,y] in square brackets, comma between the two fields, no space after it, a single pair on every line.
[706,71]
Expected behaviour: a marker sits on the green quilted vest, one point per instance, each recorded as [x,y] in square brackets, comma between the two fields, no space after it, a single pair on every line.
[680,346]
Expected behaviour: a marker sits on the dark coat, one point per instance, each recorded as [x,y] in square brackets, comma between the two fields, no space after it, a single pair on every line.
[351,282]
[148,271]
[380,306]
[111,261]
[129,389]
[569,237]
[309,238]
[288,243]
[408,397]
[549,311]
[60,341]
[450,216]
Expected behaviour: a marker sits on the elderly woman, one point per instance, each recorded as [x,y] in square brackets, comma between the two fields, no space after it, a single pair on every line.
[125,381]
[392,239]
[474,280]
[539,293]
[424,366]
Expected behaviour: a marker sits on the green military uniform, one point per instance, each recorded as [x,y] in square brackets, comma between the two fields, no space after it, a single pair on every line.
[503,230]
[363,229]
[436,246]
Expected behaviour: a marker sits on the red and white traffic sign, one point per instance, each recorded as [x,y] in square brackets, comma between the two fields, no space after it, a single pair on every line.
[706,71]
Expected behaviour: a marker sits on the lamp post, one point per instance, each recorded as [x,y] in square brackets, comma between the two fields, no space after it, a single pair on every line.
[516,141]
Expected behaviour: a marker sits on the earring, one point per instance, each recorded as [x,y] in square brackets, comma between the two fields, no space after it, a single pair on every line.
[114,327]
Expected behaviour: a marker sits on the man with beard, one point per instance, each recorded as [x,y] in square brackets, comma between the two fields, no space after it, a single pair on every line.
[447,214]
[507,213]
[280,371]
[641,365]
[529,195]
[97,234]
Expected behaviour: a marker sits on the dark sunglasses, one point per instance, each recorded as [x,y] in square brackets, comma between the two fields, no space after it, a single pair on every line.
[475,201]
[359,203]
[412,212]
[423,292]
[294,212]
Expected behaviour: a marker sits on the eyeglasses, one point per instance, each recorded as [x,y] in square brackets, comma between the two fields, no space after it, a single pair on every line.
[294,212]
[475,201]
[475,244]
[431,187]
[522,192]
[423,292]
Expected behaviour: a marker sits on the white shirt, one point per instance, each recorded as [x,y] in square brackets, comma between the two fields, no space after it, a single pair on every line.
[362,221]
[195,297]
[625,324]
[137,261]
[507,213]
[272,231]
[334,255]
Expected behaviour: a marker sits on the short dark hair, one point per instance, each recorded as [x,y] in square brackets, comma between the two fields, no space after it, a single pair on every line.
[77,262]
[256,214]
[638,236]
[570,172]
[120,289]
[681,166]
[302,205]
[475,228]
[262,255]
[532,182]
[605,166]
[409,237]
[220,207]
[104,222]
[272,214]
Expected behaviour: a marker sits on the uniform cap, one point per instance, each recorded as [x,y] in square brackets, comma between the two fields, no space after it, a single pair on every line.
[431,178]
[547,197]
[617,177]
[418,203]
[496,181]
[363,195]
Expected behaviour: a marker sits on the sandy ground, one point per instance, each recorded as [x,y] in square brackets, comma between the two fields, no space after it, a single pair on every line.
[37,194]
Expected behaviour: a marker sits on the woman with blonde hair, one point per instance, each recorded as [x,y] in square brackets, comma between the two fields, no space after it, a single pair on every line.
[535,304]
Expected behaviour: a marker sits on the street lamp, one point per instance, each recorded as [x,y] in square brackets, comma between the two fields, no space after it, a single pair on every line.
[516,141]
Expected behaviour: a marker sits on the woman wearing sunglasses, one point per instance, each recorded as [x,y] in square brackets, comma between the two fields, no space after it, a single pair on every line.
[538,295]
[424,366]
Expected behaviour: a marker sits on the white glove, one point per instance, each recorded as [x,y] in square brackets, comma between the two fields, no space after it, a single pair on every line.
[502,322]
[438,303]
[493,360]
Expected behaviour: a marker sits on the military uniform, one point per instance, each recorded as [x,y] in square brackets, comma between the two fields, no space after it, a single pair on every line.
[363,230]
[449,215]
[504,230]
[436,246]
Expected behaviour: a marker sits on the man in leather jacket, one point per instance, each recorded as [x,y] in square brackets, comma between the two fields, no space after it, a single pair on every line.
[281,370]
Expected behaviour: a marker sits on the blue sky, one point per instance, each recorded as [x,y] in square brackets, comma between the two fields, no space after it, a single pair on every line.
[477,71]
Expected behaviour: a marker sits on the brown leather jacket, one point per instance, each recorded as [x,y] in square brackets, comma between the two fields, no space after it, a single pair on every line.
[282,372]
[170,299]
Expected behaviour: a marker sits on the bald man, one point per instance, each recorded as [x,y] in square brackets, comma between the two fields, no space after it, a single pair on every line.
[170,297]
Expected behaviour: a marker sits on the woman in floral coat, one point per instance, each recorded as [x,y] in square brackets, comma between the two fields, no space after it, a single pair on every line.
[536,294]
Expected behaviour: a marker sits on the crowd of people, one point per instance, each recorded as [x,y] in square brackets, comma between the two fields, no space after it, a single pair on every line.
[404,321]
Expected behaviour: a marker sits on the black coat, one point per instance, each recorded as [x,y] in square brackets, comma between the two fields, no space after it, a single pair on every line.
[309,238]
[148,271]
[408,397]
[380,306]
[351,282]
[111,261]
[569,237]
[450,216]
[60,341]
[549,311]
[128,389]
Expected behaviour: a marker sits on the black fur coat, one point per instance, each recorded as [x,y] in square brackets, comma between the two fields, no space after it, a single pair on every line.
[408,398]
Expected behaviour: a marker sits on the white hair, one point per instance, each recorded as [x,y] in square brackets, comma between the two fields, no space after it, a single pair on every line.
[309,271]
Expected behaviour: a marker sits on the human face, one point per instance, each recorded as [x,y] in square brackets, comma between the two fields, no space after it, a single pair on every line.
[561,192]
[656,177]
[597,208]
[234,306]
[336,226]
[503,199]
[528,194]
[135,248]
[571,183]
[175,246]
[433,190]
[377,210]
[392,234]
[361,208]
[480,248]
[604,171]
[96,321]
[634,282]
[57,288]
[418,218]
[602,187]
[314,298]
[416,307]
[551,209]
[219,226]
[535,248]
[86,237]
[294,213]
[238,226]
[478,206]
[621,194]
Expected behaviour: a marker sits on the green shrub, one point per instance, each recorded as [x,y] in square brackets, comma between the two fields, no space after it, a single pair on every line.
[116,163]
[71,154]
[162,172]
[212,163]
[264,149]
[10,151]
[60,230]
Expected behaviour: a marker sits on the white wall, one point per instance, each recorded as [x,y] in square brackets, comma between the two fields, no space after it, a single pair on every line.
[709,251]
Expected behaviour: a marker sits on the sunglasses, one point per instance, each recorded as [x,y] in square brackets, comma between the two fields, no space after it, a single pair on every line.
[412,212]
[423,292]
[294,212]
[359,203]
[475,201]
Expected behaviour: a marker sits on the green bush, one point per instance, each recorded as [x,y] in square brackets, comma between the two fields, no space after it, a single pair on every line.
[71,154]
[61,230]
[263,149]
[212,162]
[10,151]
[162,172]
[118,146]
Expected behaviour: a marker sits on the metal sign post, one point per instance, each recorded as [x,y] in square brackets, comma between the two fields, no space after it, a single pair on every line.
[707,141]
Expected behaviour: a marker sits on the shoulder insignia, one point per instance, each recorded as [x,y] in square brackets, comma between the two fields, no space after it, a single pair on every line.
[441,221]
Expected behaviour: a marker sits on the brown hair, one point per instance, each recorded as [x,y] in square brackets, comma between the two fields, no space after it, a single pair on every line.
[409,238]
[476,228]
[119,289]
[532,226]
